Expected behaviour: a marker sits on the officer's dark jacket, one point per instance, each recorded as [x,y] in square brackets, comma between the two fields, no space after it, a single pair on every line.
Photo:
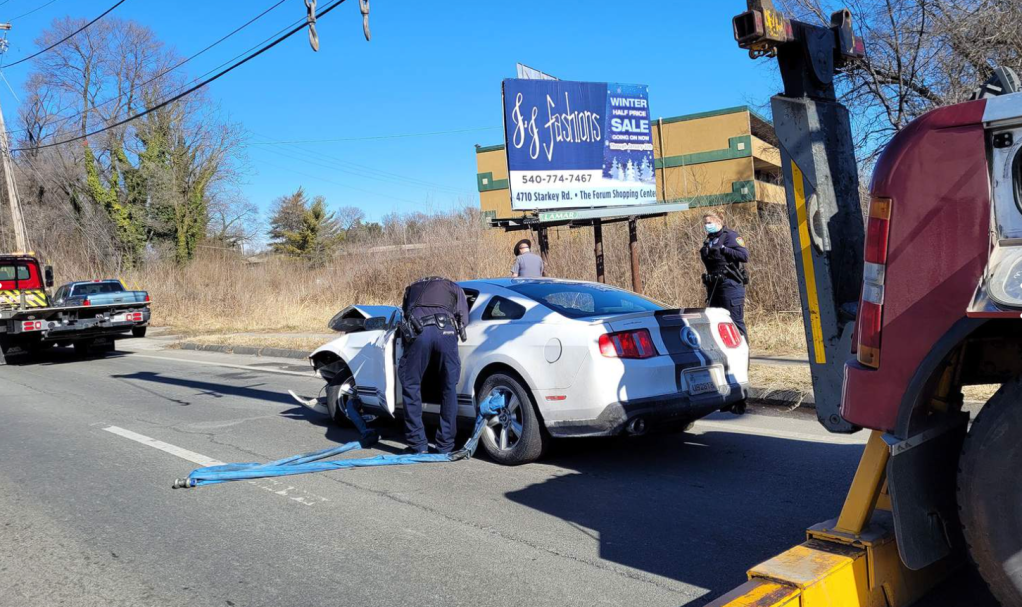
[435,295]
[731,248]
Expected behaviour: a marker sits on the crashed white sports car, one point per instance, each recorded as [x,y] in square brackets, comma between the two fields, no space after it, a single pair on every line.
[572,359]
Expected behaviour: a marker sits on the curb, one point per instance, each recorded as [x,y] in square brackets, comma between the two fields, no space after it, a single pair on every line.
[782,398]
[247,350]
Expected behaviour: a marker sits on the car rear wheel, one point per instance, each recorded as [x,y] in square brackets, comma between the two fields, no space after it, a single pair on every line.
[516,436]
[990,491]
[138,331]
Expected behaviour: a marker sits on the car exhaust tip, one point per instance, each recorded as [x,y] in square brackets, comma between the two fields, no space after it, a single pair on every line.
[636,427]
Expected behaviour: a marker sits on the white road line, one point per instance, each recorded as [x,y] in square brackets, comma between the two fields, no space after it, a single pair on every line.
[840,439]
[268,484]
[211,363]
[191,456]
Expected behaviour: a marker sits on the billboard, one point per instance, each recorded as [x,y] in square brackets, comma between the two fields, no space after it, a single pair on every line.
[578,144]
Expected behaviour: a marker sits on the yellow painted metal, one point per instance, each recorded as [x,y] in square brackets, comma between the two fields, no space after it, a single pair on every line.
[866,486]
[812,297]
[821,573]
[35,298]
[760,593]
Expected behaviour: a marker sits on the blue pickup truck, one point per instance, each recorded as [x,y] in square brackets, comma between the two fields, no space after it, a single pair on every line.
[103,293]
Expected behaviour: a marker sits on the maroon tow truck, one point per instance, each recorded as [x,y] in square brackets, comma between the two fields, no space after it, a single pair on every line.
[900,315]
[29,322]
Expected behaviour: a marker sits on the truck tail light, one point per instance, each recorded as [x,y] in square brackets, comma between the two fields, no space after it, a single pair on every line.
[32,325]
[628,344]
[729,334]
[874,273]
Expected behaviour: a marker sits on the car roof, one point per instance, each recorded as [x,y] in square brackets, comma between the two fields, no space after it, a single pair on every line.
[507,281]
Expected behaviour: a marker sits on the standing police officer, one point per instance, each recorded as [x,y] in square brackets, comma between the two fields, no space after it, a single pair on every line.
[724,254]
[435,315]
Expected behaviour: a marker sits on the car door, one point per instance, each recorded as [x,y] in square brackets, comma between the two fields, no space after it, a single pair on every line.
[372,358]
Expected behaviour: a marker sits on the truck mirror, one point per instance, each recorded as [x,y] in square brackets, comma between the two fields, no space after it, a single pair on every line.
[49,276]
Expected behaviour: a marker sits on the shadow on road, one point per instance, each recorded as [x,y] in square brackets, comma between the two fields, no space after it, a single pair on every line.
[700,509]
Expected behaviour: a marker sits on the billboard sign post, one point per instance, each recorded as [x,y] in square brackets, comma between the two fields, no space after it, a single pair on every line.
[578,144]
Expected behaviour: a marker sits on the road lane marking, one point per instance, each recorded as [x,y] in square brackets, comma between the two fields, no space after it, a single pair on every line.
[210,363]
[268,484]
[840,439]
[191,456]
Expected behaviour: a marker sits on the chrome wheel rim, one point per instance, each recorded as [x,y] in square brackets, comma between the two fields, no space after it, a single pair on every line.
[504,431]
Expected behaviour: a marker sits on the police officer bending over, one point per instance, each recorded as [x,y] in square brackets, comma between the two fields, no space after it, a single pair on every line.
[724,255]
[435,315]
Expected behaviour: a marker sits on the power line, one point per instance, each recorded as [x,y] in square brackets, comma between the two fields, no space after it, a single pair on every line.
[69,36]
[38,8]
[188,91]
[171,69]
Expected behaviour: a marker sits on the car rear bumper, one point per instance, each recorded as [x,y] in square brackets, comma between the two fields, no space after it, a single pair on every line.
[659,412]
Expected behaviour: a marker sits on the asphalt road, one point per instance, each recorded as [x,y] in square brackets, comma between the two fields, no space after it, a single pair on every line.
[89,449]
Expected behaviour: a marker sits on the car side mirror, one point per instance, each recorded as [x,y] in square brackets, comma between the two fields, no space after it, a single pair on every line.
[48,273]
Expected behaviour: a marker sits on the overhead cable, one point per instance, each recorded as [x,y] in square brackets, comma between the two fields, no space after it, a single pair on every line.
[190,90]
[68,37]
[163,73]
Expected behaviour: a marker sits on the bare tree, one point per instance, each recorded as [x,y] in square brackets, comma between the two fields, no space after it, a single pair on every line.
[154,177]
[920,54]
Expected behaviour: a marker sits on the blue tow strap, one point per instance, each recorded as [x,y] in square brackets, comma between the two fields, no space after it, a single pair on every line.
[310,462]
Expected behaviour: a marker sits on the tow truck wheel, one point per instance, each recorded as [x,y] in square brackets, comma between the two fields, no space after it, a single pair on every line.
[990,491]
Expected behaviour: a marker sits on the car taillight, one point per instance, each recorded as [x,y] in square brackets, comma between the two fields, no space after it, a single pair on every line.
[729,334]
[628,344]
[86,302]
[147,297]
[874,271]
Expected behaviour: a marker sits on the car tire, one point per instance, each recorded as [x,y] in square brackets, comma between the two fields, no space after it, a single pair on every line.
[989,491]
[532,439]
[138,331]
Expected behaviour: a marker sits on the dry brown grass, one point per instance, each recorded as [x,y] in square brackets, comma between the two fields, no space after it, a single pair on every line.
[221,293]
[300,344]
[792,383]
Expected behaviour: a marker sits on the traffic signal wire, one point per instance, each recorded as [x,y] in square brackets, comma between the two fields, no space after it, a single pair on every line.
[190,90]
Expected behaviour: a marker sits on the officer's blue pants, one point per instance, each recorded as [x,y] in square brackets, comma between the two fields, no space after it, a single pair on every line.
[730,295]
[433,344]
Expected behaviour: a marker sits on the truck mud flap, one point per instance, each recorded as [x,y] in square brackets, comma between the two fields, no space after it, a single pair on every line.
[921,480]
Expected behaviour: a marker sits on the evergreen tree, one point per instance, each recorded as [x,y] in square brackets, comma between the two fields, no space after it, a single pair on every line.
[302,228]
[630,174]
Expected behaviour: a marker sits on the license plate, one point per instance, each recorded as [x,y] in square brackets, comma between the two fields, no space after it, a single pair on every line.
[700,381]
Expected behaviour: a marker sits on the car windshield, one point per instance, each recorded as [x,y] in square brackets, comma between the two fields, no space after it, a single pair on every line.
[581,300]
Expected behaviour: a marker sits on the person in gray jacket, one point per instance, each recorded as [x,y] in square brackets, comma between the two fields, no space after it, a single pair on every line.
[527,264]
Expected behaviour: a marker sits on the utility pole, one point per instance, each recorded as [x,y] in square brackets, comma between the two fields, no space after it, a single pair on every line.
[10,189]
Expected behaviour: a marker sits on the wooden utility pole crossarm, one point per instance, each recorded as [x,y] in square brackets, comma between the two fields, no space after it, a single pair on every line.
[10,189]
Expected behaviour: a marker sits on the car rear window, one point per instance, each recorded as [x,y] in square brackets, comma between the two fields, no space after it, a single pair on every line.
[579,300]
[97,288]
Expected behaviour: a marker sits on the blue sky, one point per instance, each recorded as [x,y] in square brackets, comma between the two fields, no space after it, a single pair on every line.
[431,67]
